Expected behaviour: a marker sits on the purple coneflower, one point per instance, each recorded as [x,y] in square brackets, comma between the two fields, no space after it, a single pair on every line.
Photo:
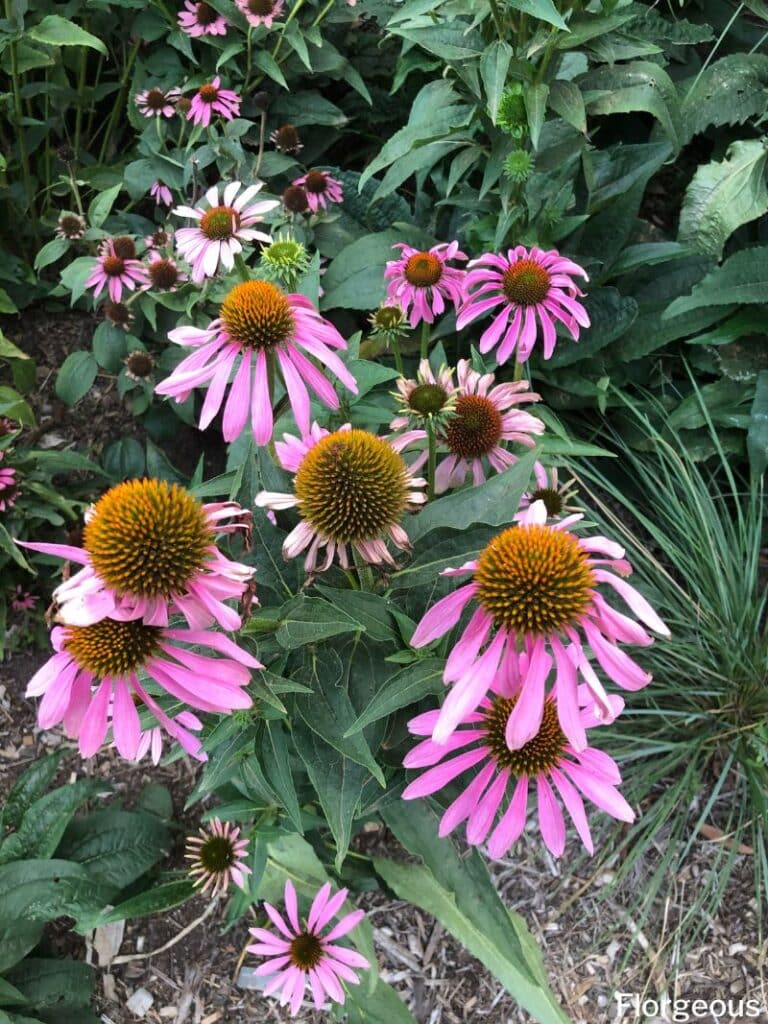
[222,228]
[218,857]
[422,280]
[157,102]
[352,489]
[502,775]
[427,398]
[302,955]
[258,323]
[9,486]
[556,496]
[201,19]
[22,600]
[161,193]
[320,189]
[187,573]
[210,99]
[164,273]
[535,584]
[260,12]
[70,226]
[115,272]
[527,285]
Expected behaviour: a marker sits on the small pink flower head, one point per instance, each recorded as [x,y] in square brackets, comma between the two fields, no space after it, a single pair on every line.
[536,584]
[486,417]
[352,489]
[320,188]
[9,486]
[223,225]
[201,19]
[429,398]
[161,193]
[306,954]
[218,857]
[187,573]
[70,226]
[556,496]
[157,102]
[422,280]
[261,12]
[161,238]
[526,285]
[212,99]
[22,601]
[259,323]
[164,273]
[93,681]
[498,775]
[115,272]
[286,139]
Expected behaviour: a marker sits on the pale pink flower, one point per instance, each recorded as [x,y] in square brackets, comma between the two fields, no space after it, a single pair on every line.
[161,238]
[157,102]
[556,496]
[527,285]
[22,601]
[162,194]
[222,228]
[261,12]
[164,273]
[536,584]
[352,489]
[485,417]
[115,272]
[259,323]
[301,954]
[200,19]
[499,775]
[9,486]
[427,398]
[70,226]
[210,99]
[109,655]
[421,280]
[320,188]
[218,857]
[187,574]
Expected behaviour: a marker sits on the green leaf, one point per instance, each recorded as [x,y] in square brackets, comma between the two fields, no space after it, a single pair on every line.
[51,252]
[100,208]
[40,890]
[47,983]
[382,1006]
[76,377]
[116,847]
[305,620]
[277,766]
[17,938]
[494,65]
[338,782]
[566,100]
[729,91]
[640,85]
[458,890]
[355,279]
[536,109]
[57,31]
[74,276]
[757,434]
[372,611]
[110,346]
[494,502]
[14,406]
[724,195]
[611,314]
[451,42]
[46,819]
[123,459]
[10,995]
[27,788]
[544,10]
[417,680]
[153,901]
[741,279]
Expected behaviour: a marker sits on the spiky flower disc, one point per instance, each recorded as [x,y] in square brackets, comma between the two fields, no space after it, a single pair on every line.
[352,486]
[147,537]
[476,427]
[534,580]
[257,314]
[536,757]
[218,857]
[110,648]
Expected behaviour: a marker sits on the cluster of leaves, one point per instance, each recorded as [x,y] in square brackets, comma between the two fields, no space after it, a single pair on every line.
[57,861]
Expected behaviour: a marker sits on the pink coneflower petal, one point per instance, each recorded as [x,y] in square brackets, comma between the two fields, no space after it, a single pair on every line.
[421,280]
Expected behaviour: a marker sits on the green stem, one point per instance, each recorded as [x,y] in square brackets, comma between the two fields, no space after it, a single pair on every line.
[432,463]
[262,136]
[518,371]
[118,105]
[80,90]
[497,20]
[96,82]
[364,571]
[323,13]
[424,348]
[76,191]
[245,275]
[19,114]
[398,356]
[248,59]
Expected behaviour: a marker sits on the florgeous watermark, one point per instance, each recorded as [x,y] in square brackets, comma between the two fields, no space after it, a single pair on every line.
[631,1006]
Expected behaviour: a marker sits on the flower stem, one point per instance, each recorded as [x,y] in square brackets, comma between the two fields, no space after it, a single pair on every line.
[424,351]
[364,571]
[518,372]
[497,19]
[242,270]
[432,462]
[398,356]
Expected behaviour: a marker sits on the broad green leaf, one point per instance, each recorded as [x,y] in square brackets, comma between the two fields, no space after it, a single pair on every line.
[757,434]
[40,890]
[76,377]
[27,788]
[305,620]
[17,938]
[458,890]
[153,901]
[110,346]
[355,279]
[116,847]
[8,545]
[382,1006]
[415,681]
[372,611]
[49,983]
[494,65]
[277,765]
[544,10]
[101,206]
[338,782]
[730,91]
[566,100]
[124,459]
[611,314]
[741,279]
[46,819]
[449,42]
[724,195]
[51,252]
[10,995]
[640,85]
[493,502]
[14,406]
[648,254]
[57,31]
[74,276]
[536,109]
[446,549]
